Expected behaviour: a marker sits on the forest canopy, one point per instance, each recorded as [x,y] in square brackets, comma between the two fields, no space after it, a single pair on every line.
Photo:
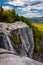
[10,16]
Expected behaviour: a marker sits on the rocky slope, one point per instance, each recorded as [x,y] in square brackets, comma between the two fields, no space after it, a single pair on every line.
[16,55]
[26,44]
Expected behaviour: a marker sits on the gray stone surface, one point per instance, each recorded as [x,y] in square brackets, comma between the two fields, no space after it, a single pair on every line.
[12,59]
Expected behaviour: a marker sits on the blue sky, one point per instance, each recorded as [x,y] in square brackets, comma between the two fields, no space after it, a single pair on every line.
[27,8]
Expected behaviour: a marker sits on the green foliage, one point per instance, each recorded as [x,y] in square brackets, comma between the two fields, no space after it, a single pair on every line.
[1,33]
[38,36]
[16,38]
[7,15]
[17,17]
[1,11]
[37,33]
[39,25]
[10,16]
[42,48]
[25,20]
[37,46]
[7,28]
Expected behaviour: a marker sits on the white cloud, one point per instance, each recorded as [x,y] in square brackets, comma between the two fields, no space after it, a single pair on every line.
[32,0]
[7,7]
[29,14]
[39,6]
[28,8]
[22,2]
[16,3]
[19,2]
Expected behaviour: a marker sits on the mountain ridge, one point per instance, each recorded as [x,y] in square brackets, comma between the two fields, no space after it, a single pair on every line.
[36,19]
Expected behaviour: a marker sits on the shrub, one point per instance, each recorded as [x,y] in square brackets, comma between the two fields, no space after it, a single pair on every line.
[16,38]
[37,48]
[1,33]
[7,28]
[38,36]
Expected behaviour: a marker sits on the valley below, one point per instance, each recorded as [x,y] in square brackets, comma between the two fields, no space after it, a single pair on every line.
[39,25]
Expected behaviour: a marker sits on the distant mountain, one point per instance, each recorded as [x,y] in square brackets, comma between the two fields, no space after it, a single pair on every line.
[37,19]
